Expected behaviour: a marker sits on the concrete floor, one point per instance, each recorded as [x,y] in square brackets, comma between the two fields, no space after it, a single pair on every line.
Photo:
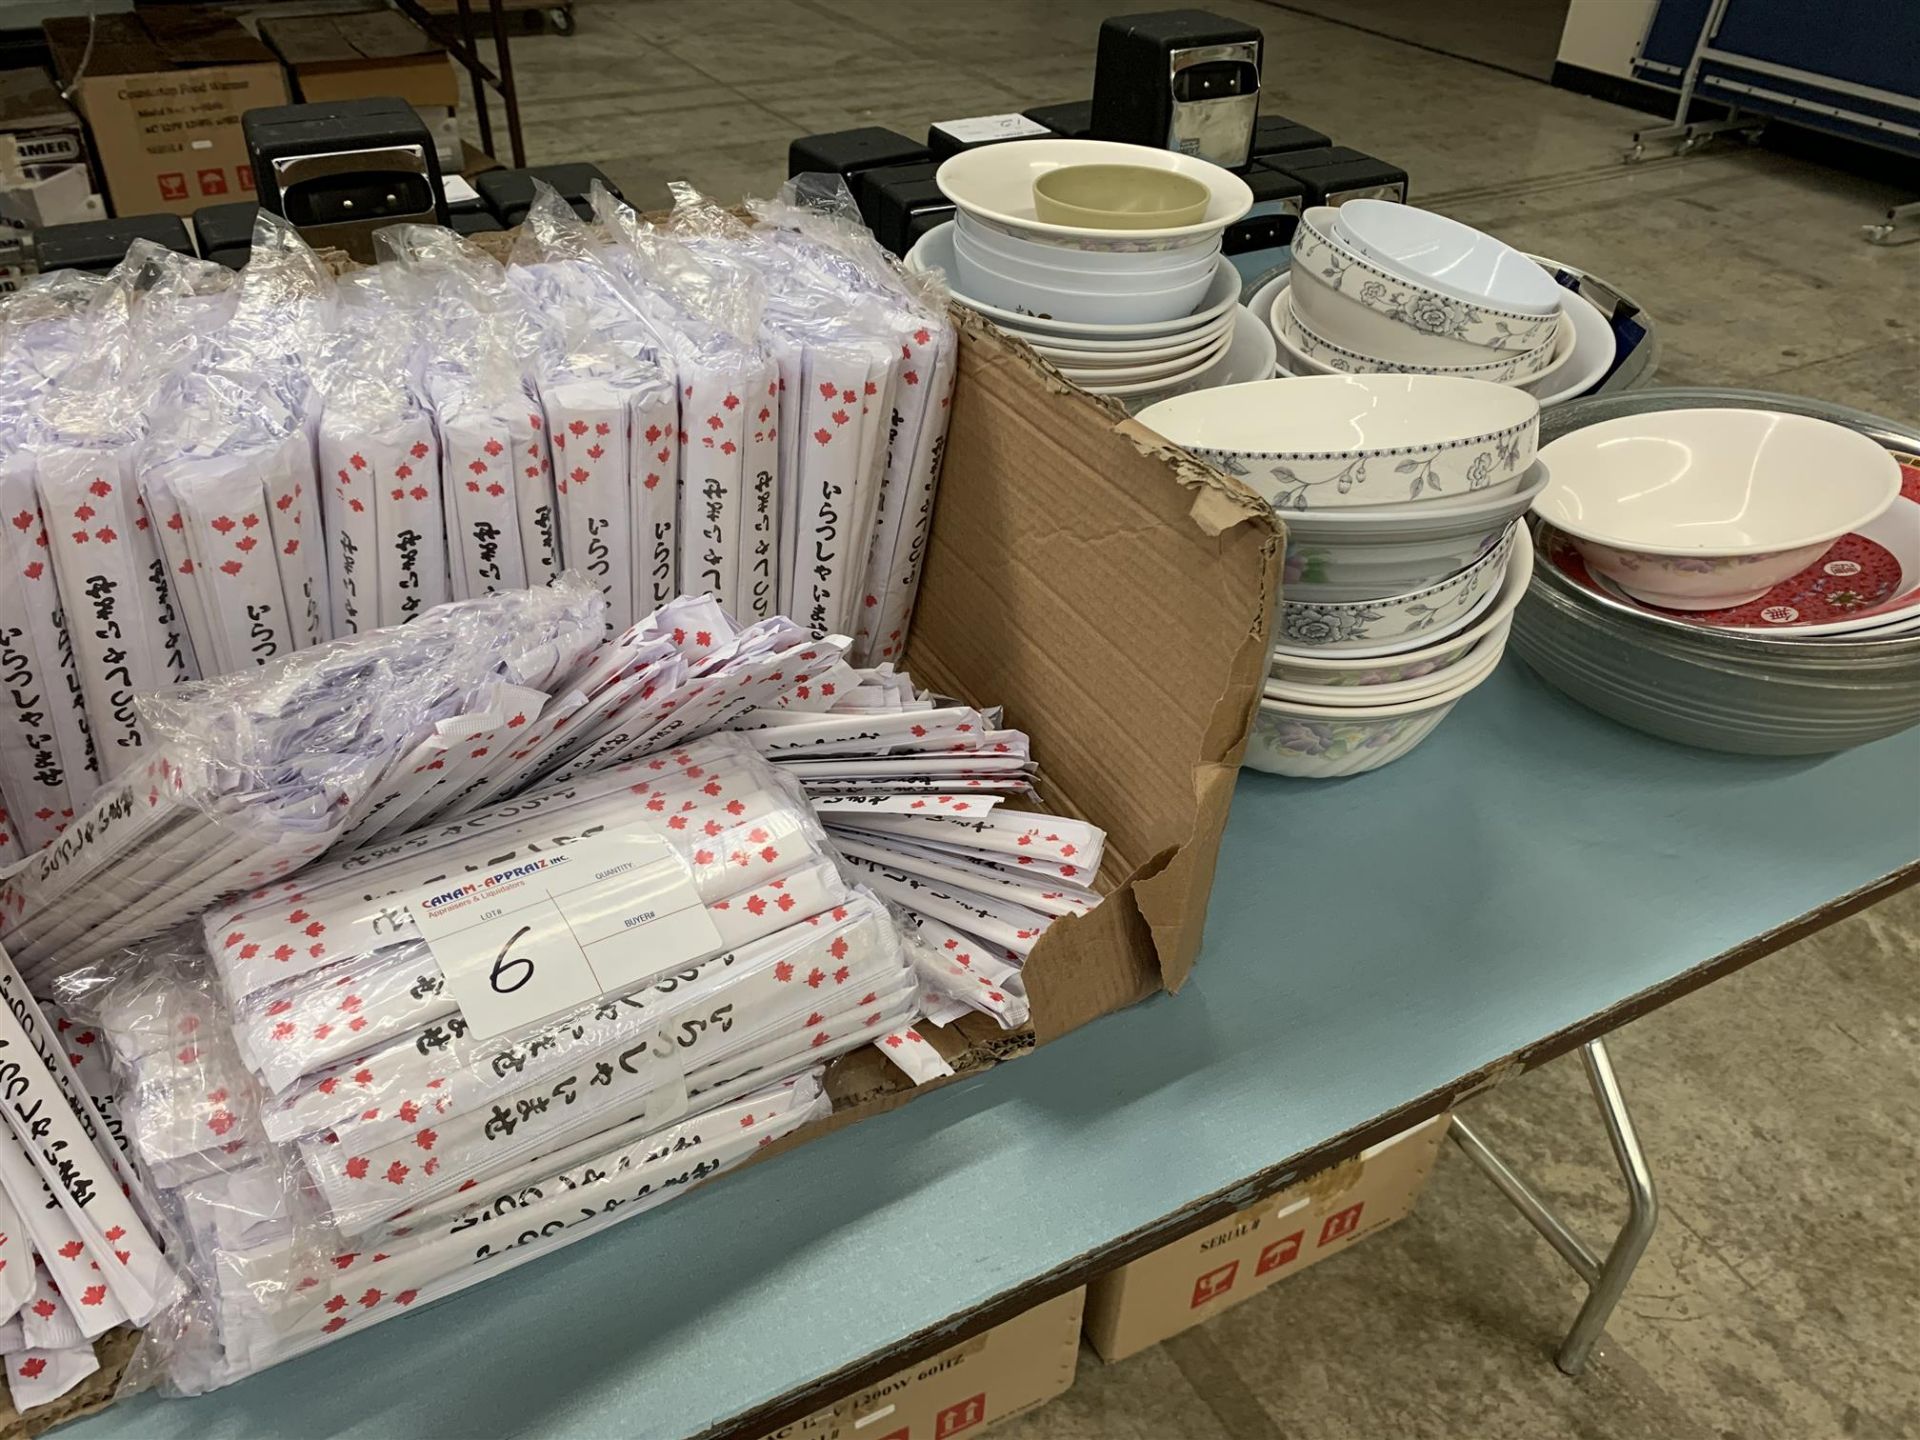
[1518,35]
[1781,1106]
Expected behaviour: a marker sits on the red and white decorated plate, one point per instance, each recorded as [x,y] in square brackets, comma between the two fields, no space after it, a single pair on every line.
[1869,580]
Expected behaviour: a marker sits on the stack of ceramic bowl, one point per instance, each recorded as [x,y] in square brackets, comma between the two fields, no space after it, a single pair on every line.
[1602,361]
[1104,257]
[1383,288]
[1406,553]
[1731,570]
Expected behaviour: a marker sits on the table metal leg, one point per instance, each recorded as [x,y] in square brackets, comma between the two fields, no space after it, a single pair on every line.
[1606,1279]
[1901,227]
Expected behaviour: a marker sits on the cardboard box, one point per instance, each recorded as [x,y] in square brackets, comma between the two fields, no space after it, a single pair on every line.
[1214,1269]
[1117,597]
[363,55]
[163,93]
[43,126]
[1012,1368]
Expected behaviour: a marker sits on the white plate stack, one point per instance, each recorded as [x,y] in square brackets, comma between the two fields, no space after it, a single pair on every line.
[1406,553]
[1126,312]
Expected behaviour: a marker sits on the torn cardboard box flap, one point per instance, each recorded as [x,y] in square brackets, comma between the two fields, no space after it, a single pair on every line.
[1116,596]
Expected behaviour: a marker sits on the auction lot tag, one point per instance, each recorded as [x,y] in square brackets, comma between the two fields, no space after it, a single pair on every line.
[551,932]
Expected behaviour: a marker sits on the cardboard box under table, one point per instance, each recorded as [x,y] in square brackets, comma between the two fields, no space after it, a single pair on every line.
[1015,1367]
[163,91]
[1213,1269]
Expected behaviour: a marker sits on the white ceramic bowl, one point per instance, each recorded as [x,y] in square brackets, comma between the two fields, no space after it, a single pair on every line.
[1379,550]
[1707,509]
[1104,376]
[993,184]
[1454,259]
[1590,337]
[1465,660]
[1145,392]
[969,252]
[934,251]
[1343,671]
[1034,294]
[1418,308]
[1249,355]
[1325,742]
[1401,621]
[1090,354]
[1346,321]
[1142,263]
[1357,440]
[1318,355]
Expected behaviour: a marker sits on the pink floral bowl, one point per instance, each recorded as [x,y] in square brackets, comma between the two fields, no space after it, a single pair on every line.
[1446,670]
[1489,628]
[1710,509]
[1313,741]
[1697,582]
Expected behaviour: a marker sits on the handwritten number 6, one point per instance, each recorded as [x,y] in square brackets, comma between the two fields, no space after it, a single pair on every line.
[501,964]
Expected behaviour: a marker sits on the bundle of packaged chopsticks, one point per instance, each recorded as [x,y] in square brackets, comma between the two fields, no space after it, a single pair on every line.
[361,1123]
[201,474]
[575,946]
[81,1236]
[260,772]
[912,789]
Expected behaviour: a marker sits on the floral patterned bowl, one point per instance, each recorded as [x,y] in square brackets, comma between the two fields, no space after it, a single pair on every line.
[1347,441]
[1452,258]
[1319,255]
[1374,550]
[1316,354]
[1411,619]
[1453,663]
[1326,741]
[1710,509]
[1345,671]
[1342,320]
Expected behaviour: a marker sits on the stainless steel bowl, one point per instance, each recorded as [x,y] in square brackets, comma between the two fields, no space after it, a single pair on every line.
[1754,694]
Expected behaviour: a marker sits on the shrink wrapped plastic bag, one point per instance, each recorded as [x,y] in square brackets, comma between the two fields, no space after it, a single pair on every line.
[202,473]
[512,1031]
[608,384]
[379,460]
[258,772]
[447,1049]
[78,442]
[47,763]
[443,843]
[227,472]
[480,345]
[865,364]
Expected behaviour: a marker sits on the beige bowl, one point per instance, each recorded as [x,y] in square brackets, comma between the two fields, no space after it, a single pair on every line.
[1118,197]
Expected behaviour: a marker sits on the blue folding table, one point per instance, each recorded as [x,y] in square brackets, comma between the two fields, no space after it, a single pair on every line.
[1527,880]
